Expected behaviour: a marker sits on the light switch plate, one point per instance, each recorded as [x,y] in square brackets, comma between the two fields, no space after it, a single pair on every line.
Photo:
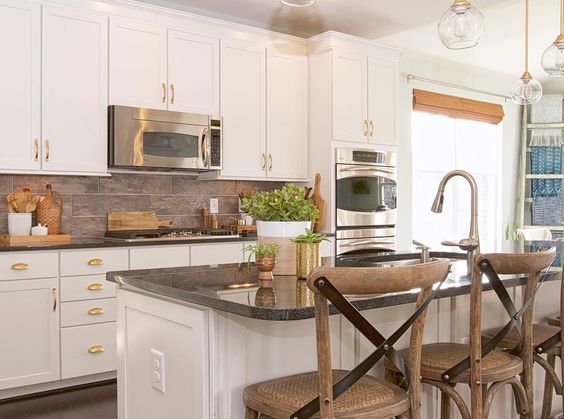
[158,370]
[214,205]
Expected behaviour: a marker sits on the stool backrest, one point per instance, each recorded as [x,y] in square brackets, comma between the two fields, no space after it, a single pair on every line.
[360,281]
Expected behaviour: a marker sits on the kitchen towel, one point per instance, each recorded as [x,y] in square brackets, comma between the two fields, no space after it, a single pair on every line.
[547,211]
[546,160]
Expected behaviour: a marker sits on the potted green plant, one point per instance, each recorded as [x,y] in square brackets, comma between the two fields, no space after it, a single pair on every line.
[307,252]
[281,215]
[265,258]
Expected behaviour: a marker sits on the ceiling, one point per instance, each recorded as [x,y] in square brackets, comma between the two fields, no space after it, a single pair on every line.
[366,18]
[408,24]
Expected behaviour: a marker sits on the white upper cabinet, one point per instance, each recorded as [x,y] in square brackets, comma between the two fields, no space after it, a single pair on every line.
[382,101]
[350,96]
[74,90]
[20,33]
[243,107]
[287,113]
[138,54]
[193,73]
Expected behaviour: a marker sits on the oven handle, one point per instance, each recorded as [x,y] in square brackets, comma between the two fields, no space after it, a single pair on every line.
[366,242]
[375,169]
[204,148]
[348,173]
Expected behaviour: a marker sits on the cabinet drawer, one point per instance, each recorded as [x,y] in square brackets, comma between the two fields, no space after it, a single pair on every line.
[79,313]
[26,265]
[75,288]
[215,254]
[93,261]
[159,257]
[88,349]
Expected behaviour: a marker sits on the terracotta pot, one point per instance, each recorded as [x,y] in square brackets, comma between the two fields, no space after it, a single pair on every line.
[265,265]
[307,258]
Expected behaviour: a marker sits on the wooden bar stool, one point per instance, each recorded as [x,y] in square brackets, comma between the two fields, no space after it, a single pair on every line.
[477,364]
[329,393]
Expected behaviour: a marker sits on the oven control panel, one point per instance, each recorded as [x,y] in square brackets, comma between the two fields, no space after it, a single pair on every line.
[363,156]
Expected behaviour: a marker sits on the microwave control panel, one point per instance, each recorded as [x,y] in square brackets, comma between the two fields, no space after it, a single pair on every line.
[215,143]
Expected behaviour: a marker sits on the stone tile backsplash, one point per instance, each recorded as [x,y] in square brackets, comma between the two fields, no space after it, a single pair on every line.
[87,200]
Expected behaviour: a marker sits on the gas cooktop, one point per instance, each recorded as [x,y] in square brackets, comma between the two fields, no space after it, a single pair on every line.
[164,234]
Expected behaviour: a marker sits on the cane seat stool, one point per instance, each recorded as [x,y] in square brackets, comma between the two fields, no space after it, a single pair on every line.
[477,364]
[327,392]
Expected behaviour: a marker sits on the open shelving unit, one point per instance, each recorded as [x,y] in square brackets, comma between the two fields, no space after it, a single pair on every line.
[524,196]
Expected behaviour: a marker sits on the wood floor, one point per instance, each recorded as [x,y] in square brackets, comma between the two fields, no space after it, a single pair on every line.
[99,402]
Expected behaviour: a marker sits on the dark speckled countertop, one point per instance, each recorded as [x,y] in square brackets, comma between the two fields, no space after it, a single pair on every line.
[234,288]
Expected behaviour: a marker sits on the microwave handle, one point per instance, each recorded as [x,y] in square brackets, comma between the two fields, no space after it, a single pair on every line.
[204,148]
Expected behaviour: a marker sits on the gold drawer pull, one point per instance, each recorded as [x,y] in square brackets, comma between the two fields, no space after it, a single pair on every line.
[96,286]
[19,267]
[95,311]
[96,262]
[96,349]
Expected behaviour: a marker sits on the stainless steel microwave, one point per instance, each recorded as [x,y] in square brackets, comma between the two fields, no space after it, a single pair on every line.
[149,139]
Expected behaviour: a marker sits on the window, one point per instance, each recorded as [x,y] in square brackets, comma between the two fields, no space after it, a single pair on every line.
[441,144]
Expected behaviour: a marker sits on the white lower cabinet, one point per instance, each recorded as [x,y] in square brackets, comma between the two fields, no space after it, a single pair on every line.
[29,330]
[159,257]
[88,349]
[215,254]
[77,313]
[74,288]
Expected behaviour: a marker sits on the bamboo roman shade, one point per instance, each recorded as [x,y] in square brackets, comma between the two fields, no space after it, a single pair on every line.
[457,107]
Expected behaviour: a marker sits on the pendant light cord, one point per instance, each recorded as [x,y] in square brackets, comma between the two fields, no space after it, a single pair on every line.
[527,36]
[562,17]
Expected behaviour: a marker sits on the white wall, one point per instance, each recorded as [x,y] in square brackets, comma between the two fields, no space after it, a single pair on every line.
[467,76]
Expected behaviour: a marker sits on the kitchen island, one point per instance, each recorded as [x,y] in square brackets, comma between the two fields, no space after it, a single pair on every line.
[214,330]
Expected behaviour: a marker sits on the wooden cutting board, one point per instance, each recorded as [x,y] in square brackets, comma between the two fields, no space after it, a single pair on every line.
[319,202]
[7,240]
[132,221]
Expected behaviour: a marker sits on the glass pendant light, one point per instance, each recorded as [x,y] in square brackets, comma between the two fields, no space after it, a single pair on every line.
[461,26]
[553,58]
[298,3]
[526,90]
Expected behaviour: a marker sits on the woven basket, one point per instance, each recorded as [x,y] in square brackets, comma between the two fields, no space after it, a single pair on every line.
[50,212]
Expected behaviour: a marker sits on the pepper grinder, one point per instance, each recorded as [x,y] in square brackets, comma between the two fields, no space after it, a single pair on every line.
[205,218]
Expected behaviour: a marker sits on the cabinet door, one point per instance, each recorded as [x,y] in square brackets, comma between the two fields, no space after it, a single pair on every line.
[382,101]
[74,90]
[193,73]
[20,26]
[350,96]
[286,120]
[137,64]
[243,97]
[29,353]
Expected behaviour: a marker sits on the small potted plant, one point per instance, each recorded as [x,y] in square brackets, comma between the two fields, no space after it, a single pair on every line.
[307,252]
[265,258]
[281,215]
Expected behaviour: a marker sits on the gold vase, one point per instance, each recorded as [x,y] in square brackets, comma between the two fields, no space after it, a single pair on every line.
[307,258]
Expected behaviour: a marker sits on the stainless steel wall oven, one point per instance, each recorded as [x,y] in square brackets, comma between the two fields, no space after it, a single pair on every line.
[366,200]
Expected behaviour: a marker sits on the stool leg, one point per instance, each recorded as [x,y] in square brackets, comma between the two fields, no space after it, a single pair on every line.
[445,405]
[547,397]
[250,413]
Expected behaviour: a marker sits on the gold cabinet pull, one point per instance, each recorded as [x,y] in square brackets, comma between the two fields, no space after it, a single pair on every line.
[96,311]
[96,349]
[263,161]
[371,129]
[172,94]
[269,162]
[365,127]
[47,149]
[54,295]
[36,149]
[164,92]
[96,286]
[96,262]
[19,266]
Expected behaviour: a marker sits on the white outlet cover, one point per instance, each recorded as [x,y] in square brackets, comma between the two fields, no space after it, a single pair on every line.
[214,205]
[158,370]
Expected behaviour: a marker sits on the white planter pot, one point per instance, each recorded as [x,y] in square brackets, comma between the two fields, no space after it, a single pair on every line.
[282,232]
[19,224]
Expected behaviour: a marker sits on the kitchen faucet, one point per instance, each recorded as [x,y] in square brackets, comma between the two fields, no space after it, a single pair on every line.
[472,244]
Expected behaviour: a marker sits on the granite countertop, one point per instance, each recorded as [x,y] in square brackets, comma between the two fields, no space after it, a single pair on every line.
[88,243]
[234,288]
[97,242]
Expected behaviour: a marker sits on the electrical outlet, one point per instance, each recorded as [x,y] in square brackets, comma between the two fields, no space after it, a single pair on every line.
[158,370]
[214,205]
